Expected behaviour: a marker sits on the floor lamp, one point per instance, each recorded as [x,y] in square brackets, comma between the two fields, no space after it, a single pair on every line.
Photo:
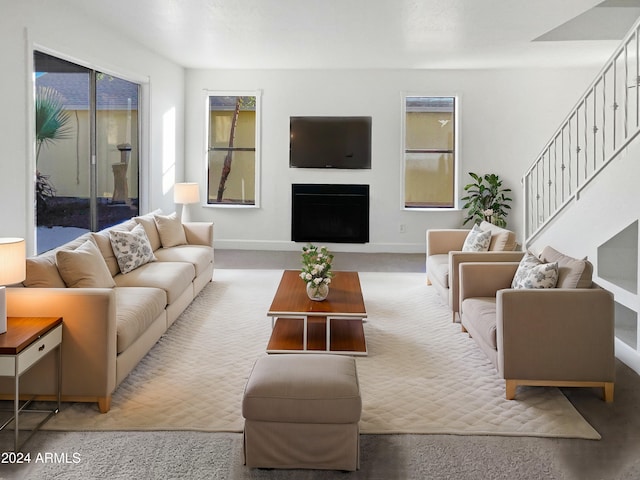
[185,193]
[12,270]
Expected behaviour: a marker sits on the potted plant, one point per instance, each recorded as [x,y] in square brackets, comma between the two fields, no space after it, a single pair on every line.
[316,271]
[486,199]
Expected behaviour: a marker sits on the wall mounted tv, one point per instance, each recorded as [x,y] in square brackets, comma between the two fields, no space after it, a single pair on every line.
[330,142]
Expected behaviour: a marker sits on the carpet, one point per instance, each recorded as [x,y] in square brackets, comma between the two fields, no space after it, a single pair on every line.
[422,375]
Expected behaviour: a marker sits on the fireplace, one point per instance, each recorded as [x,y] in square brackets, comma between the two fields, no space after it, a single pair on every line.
[334,213]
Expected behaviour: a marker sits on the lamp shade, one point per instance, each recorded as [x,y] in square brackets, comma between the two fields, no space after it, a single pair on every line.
[186,193]
[12,260]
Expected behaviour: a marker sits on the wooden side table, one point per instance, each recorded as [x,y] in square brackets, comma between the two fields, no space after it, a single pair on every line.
[26,341]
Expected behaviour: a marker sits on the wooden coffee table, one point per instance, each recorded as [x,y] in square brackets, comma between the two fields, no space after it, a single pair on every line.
[333,325]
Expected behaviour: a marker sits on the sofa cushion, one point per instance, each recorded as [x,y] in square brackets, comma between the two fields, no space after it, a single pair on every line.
[481,311]
[438,268]
[149,224]
[200,256]
[477,240]
[103,241]
[170,230]
[172,277]
[136,309]
[84,267]
[502,240]
[132,249]
[534,273]
[572,272]
[42,272]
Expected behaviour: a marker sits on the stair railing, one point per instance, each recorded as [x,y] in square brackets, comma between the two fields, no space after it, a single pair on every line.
[603,122]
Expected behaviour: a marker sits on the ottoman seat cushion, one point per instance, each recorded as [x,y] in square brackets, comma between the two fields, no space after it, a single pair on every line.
[311,389]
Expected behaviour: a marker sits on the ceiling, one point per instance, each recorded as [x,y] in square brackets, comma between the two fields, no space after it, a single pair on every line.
[284,34]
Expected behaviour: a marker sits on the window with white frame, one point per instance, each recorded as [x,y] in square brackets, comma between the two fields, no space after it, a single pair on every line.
[233,158]
[429,152]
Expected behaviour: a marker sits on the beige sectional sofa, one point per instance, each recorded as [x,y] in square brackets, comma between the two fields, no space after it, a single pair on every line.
[444,256]
[111,319]
[560,336]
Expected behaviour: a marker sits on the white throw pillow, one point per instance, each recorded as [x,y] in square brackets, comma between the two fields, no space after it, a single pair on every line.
[132,249]
[534,273]
[84,267]
[170,230]
[477,240]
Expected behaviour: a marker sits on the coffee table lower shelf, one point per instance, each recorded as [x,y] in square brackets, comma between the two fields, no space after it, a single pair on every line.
[347,336]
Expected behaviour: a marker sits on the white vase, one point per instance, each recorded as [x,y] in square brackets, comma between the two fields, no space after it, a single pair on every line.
[317,293]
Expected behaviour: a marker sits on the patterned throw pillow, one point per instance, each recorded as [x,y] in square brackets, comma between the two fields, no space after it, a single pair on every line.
[477,240]
[132,249]
[534,273]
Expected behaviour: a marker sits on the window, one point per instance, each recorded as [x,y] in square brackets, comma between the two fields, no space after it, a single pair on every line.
[87,165]
[233,149]
[429,152]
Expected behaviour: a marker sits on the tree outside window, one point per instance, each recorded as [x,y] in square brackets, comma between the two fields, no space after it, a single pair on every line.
[232,149]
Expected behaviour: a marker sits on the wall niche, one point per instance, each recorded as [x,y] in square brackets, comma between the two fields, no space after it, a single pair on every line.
[618,259]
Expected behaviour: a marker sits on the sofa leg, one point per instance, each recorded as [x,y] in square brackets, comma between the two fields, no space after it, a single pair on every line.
[428,281]
[607,391]
[104,404]
[462,329]
[510,387]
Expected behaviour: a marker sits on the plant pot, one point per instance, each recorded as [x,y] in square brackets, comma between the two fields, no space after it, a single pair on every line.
[317,293]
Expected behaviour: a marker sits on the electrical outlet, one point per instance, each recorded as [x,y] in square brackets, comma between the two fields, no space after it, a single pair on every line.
[403,228]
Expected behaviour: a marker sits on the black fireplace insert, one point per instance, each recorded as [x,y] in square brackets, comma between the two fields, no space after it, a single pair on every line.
[332,213]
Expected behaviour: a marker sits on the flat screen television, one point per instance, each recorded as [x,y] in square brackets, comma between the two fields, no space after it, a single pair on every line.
[330,142]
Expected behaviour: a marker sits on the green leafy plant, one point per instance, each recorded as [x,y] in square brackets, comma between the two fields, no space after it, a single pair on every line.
[52,124]
[486,199]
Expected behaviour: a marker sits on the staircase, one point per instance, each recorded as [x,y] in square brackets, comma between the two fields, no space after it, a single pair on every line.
[582,193]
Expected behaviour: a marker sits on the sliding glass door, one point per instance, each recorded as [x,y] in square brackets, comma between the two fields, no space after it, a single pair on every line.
[87,169]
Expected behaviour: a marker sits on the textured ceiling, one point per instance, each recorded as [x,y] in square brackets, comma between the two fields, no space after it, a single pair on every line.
[370,33]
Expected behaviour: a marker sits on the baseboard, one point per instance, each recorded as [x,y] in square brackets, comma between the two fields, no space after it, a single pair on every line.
[283,245]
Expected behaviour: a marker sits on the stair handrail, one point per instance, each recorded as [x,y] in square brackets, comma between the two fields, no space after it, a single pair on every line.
[538,213]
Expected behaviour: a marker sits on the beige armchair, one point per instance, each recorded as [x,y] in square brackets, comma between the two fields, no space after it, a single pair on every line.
[444,255]
[539,337]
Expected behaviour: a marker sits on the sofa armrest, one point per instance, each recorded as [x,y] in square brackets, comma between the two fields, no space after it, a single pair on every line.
[445,240]
[485,279]
[457,258]
[88,337]
[199,233]
[556,334]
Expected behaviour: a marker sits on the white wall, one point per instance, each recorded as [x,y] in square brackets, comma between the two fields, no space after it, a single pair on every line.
[32,23]
[604,208]
[506,118]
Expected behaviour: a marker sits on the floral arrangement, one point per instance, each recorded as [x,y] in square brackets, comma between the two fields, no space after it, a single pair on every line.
[317,266]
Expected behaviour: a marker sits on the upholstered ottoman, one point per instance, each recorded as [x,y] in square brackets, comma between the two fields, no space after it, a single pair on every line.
[302,411]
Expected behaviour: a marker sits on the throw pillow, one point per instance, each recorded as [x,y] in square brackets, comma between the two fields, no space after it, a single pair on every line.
[84,267]
[132,249]
[149,224]
[477,240]
[534,273]
[170,230]
[42,272]
[572,272]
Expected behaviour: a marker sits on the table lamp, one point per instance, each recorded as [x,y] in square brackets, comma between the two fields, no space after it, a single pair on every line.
[185,193]
[13,269]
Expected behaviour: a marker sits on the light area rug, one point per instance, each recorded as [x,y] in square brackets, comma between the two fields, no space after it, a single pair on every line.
[422,374]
